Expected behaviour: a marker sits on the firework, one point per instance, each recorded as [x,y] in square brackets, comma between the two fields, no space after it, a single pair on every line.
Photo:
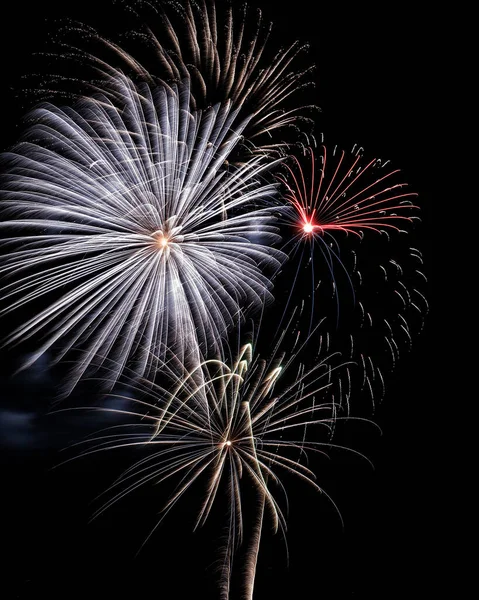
[234,427]
[223,52]
[131,229]
[351,195]
[341,194]
[348,219]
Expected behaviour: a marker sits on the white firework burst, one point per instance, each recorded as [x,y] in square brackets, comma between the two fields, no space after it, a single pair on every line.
[132,231]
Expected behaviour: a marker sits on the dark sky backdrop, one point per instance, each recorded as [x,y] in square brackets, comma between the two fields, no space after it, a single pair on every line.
[375,85]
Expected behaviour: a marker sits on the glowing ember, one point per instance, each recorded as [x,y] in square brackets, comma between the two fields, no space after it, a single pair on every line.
[307,228]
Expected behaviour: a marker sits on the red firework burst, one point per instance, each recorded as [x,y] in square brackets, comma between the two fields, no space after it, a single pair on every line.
[344,192]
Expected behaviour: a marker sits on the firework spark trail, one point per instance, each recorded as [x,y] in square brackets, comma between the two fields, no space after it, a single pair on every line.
[342,201]
[232,427]
[332,193]
[350,196]
[132,222]
[224,52]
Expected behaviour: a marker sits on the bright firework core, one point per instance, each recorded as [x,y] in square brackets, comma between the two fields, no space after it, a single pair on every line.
[308,228]
[162,240]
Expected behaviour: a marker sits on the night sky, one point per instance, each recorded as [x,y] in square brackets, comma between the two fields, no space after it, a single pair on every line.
[375,86]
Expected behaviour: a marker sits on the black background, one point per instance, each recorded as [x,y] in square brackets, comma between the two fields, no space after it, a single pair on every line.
[376,85]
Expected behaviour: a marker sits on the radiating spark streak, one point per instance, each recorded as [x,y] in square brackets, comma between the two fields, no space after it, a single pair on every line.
[252,554]
[404,303]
